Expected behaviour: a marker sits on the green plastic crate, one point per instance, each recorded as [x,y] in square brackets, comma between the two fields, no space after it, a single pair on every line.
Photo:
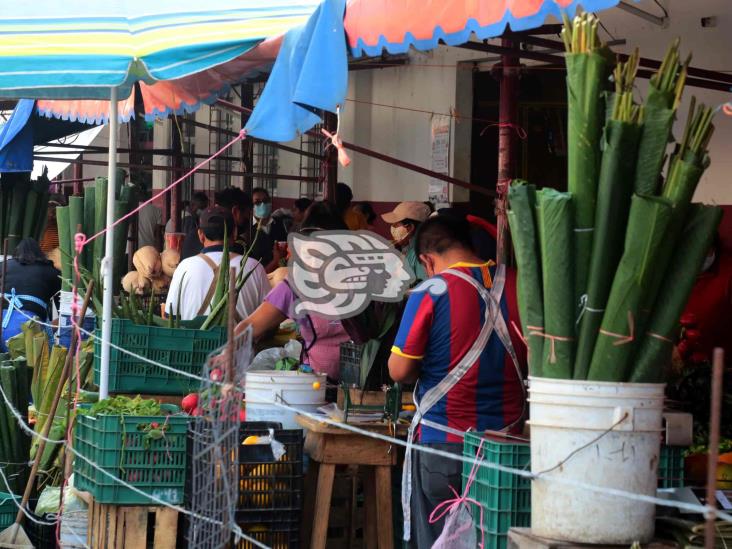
[180,348]
[8,510]
[671,467]
[121,446]
[505,497]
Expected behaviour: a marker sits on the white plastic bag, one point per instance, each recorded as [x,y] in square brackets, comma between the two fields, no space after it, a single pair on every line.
[267,359]
[459,530]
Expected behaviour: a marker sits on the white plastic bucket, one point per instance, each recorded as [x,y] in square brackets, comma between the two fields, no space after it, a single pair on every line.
[296,389]
[65,325]
[603,434]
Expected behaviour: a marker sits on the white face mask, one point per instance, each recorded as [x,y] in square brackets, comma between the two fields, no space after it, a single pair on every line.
[399,233]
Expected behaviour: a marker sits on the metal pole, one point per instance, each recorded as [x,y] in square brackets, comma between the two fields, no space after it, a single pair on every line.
[108,261]
[330,157]
[174,212]
[507,118]
[713,457]
[78,175]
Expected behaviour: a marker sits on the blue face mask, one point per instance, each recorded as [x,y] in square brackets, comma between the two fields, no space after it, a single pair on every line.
[262,210]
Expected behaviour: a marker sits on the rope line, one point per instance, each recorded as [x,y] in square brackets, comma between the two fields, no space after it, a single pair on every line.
[695,508]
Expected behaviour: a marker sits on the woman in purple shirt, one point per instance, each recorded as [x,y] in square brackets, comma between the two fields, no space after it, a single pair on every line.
[321,337]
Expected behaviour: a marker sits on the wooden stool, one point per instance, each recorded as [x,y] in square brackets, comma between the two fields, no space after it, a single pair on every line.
[127,527]
[330,446]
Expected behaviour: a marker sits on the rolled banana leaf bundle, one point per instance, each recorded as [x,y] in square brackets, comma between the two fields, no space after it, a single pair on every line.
[525,238]
[656,344]
[554,214]
[647,225]
[587,71]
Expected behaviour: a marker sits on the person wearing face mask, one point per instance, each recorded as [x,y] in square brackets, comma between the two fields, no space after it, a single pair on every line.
[321,336]
[238,203]
[189,226]
[271,231]
[404,221]
[469,369]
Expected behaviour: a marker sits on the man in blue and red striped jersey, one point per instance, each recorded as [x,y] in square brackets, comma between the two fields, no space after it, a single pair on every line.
[442,320]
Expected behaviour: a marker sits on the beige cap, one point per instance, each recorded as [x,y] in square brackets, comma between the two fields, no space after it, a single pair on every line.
[418,211]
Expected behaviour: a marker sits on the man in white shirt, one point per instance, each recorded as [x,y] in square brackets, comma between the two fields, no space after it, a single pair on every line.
[195,278]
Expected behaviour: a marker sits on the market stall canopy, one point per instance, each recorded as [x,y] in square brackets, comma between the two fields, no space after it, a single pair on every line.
[80,50]
[310,74]
[24,129]
[395,25]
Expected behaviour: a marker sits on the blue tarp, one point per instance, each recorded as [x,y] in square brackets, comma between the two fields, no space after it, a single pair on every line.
[24,129]
[309,76]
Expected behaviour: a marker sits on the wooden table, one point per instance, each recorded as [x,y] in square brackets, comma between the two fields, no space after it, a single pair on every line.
[522,538]
[329,446]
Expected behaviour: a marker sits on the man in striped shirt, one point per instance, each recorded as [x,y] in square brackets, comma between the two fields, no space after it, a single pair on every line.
[442,320]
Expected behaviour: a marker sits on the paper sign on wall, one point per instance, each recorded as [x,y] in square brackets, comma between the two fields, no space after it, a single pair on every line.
[440,157]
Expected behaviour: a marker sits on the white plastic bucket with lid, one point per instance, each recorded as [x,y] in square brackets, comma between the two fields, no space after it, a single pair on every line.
[65,325]
[299,390]
[599,433]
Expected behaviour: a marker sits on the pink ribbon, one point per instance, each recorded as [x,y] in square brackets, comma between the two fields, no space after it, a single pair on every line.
[450,505]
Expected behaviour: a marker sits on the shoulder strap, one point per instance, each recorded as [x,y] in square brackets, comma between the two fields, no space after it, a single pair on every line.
[212,287]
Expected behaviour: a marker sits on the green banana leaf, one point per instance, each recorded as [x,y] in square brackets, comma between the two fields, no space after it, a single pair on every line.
[555,239]
[89,225]
[658,119]
[121,208]
[586,80]
[647,224]
[55,367]
[76,219]
[613,203]
[656,345]
[683,178]
[525,238]
[16,209]
[64,243]
[100,222]
[30,207]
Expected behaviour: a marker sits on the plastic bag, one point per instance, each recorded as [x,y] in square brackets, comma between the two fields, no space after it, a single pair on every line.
[48,501]
[459,530]
[268,359]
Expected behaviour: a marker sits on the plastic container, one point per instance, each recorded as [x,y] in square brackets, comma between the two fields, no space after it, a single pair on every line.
[296,389]
[504,497]
[180,348]
[65,326]
[123,447]
[671,467]
[602,434]
[8,509]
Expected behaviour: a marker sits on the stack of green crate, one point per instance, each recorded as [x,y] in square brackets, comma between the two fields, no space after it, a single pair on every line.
[671,467]
[183,349]
[8,509]
[505,497]
[145,452]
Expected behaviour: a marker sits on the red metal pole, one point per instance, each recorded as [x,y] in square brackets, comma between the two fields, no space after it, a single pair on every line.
[507,118]
[177,162]
[330,158]
[78,175]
